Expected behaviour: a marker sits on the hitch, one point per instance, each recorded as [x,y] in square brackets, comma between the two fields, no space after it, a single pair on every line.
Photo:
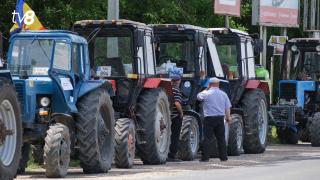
[4,132]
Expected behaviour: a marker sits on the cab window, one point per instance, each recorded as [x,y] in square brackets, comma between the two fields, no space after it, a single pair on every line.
[62,56]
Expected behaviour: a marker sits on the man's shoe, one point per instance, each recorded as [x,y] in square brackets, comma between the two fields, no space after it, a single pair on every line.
[173,160]
[204,160]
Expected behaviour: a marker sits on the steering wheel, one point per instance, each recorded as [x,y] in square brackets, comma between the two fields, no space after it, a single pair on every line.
[164,59]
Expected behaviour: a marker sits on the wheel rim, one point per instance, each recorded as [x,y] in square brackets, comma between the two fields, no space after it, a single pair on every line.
[131,146]
[194,138]
[8,148]
[161,124]
[103,133]
[263,122]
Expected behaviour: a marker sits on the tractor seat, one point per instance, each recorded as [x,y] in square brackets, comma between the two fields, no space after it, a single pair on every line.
[116,64]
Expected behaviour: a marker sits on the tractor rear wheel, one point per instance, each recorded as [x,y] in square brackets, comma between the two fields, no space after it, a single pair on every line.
[189,139]
[256,122]
[153,114]
[10,131]
[95,131]
[125,143]
[57,151]
[287,136]
[315,130]
[235,140]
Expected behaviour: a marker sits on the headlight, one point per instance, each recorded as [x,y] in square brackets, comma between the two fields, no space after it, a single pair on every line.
[318,48]
[45,101]
[294,48]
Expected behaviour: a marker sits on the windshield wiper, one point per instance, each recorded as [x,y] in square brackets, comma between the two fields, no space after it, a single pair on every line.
[94,33]
[44,52]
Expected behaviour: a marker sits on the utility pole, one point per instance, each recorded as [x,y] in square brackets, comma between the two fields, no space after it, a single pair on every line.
[226,21]
[113,14]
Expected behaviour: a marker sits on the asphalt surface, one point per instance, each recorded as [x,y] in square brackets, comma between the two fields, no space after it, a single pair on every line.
[278,162]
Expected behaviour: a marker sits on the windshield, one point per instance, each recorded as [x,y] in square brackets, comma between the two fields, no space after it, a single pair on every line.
[31,55]
[112,55]
[227,51]
[303,65]
[178,54]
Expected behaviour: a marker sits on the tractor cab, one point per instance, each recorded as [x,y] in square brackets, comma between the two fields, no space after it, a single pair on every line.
[190,49]
[296,115]
[237,50]
[50,71]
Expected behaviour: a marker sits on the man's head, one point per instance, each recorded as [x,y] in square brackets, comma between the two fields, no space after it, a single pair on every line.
[214,82]
[176,78]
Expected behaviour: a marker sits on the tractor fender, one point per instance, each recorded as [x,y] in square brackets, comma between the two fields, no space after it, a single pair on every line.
[90,85]
[257,84]
[153,83]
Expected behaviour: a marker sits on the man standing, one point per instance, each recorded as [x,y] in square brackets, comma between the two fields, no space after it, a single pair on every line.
[177,114]
[216,107]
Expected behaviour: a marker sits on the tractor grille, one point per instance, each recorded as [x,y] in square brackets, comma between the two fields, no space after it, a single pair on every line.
[288,91]
[20,88]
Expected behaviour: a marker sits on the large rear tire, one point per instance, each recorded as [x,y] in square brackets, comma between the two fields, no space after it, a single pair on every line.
[95,131]
[315,130]
[125,143]
[256,121]
[153,114]
[57,151]
[235,141]
[189,139]
[10,131]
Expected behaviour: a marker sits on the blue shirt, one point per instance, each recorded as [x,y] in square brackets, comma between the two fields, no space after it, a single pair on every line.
[215,102]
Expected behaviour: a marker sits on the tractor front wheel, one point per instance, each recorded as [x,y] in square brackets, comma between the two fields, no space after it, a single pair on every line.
[57,151]
[235,140]
[287,136]
[315,130]
[125,143]
[95,131]
[189,139]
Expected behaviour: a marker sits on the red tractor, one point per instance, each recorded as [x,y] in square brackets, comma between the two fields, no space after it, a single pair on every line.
[122,52]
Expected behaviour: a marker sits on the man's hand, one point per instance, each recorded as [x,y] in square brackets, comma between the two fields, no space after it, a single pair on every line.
[229,120]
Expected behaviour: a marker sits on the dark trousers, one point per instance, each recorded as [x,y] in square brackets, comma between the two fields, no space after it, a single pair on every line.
[175,134]
[214,125]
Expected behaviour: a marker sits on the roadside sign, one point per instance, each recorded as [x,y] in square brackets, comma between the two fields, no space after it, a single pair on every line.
[227,7]
[278,43]
[280,13]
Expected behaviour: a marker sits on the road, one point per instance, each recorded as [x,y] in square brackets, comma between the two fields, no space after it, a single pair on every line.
[294,162]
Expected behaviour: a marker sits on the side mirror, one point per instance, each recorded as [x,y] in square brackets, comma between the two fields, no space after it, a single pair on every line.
[258,46]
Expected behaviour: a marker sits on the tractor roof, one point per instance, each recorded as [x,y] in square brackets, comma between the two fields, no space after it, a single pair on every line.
[119,22]
[305,40]
[51,34]
[227,30]
[179,27]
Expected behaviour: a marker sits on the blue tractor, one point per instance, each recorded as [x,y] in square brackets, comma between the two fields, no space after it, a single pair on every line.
[297,112]
[10,123]
[64,113]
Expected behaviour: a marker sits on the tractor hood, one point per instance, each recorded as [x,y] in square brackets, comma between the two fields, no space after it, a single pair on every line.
[292,90]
